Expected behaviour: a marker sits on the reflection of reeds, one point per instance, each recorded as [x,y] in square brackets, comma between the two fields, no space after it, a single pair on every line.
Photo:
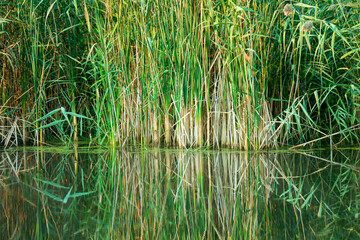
[177,193]
[217,183]
[12,165]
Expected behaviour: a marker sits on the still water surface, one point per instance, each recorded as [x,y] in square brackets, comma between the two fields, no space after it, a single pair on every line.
[173,194]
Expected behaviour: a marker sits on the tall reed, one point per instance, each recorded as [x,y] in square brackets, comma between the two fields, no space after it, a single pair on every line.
[241,74]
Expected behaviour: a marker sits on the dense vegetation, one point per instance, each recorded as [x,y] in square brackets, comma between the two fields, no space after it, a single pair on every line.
[187,73]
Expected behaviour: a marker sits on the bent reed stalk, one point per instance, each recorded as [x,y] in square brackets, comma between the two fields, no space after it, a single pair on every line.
[241,74]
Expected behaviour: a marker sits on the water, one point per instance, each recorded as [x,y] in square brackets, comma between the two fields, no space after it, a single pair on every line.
[171,194]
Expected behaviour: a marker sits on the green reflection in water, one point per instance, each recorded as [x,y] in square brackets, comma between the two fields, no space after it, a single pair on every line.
[179,194]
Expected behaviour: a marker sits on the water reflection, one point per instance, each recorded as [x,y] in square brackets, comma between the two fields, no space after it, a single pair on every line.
[178,194]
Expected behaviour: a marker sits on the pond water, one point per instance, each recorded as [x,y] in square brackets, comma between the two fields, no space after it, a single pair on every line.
[173,194]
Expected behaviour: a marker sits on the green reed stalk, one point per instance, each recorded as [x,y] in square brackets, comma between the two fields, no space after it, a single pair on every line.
[241,74]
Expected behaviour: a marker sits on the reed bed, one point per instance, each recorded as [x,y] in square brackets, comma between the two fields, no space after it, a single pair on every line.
[240,74]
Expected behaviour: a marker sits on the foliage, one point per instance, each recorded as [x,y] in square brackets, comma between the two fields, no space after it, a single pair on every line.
[241,74]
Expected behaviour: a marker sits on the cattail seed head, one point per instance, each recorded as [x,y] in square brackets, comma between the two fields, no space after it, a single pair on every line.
[307,26]
[289,10]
